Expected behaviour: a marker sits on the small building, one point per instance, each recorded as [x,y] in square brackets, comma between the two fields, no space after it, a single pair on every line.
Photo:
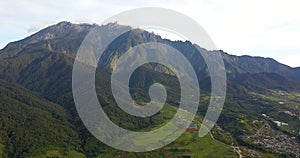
[192,127]
[281,103]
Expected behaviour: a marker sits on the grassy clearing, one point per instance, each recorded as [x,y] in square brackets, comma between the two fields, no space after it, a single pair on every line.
[197,147]
[58,154]
[53,153]
[75,154]
[267,155]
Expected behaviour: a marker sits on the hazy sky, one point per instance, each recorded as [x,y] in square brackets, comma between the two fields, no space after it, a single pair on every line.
[268,28]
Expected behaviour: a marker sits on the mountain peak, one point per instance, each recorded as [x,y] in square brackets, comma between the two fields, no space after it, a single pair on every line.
[62,23]
[61,31]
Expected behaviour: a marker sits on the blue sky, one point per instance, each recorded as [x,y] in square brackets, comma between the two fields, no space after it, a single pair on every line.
[269,28]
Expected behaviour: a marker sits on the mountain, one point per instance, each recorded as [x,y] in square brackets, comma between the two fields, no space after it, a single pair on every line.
[31,124]
[248,64]
[63,37]
[40,66]
[269,81]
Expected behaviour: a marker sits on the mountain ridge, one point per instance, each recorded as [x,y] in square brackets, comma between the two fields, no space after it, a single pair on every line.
[42,64]
[45,34]
[75,33]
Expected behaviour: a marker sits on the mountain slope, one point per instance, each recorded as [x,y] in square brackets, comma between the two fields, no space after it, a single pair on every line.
[264,80]
[41,65]
[31,125]
[63,37]
[249,64]
[31,61]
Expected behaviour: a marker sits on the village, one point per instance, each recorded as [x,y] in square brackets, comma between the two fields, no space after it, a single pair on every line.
[278,142]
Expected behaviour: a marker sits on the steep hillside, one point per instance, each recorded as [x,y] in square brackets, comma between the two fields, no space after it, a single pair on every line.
[31,125]
[38,115]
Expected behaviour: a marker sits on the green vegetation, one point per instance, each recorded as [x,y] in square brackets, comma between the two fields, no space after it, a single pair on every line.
[204,147]
[267,155]
[187,145]
[1,150]
[53,153]
[38,117]
[60,154]
[32,125]
[222,136]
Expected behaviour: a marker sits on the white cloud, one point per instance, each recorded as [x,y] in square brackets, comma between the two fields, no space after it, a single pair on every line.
[269,28]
